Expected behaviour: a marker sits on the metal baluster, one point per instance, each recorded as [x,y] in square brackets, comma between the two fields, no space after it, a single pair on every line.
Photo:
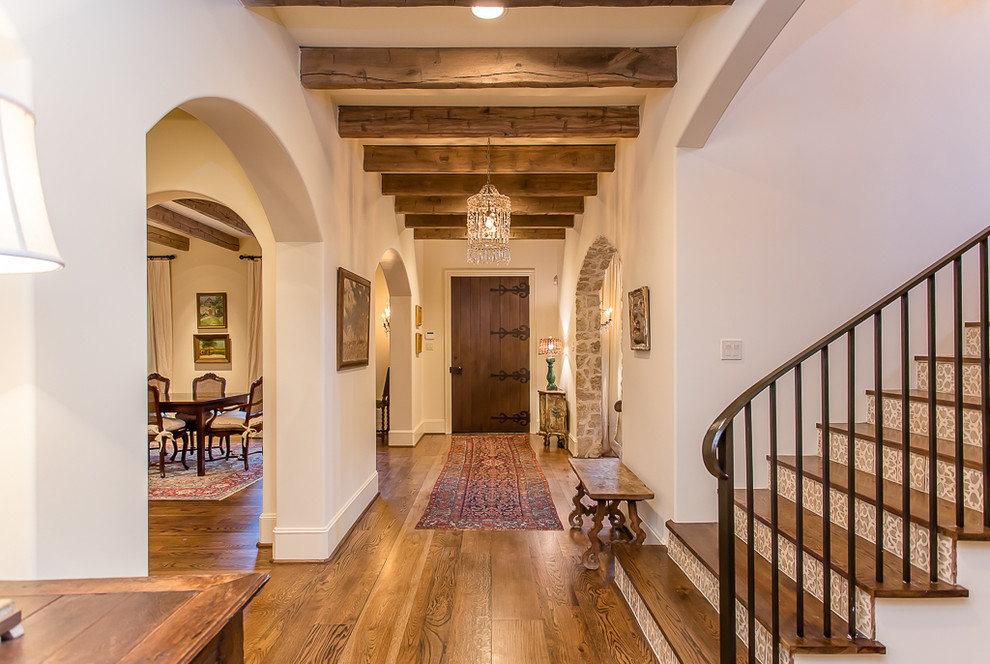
[957,359]
[878,419]
[727,552]
[985,381]
[905,446]
[851,477]
[826,503]
[751,536]
[932,440]
[774,541]
[799,498]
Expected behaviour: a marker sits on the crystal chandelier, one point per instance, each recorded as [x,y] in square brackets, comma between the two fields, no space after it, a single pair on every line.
[488,223]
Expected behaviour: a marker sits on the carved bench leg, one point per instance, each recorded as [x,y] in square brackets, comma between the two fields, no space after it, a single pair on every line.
[635,522]
[579,509]
[618,520]
[590,557]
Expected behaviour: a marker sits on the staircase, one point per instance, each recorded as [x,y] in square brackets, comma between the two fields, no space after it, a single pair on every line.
[901,489]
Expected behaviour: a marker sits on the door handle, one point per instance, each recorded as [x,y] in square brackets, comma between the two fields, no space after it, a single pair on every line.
[456,371]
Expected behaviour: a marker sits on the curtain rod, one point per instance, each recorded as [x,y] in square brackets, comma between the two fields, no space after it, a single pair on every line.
[162,258]
[245,257]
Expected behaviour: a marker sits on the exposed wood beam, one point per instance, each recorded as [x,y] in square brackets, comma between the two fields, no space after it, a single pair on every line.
[488,121]
[514,234]
[468,184]
[446,68]
[192,228]
[471,3]
[167,238]
[217,212]
[458,205]
[474,158]
[517,221]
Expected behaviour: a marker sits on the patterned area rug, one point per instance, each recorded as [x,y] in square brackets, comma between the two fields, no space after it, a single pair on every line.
[224,477]
[491,482]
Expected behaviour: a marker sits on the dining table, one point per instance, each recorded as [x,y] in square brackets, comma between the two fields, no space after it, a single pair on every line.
[201,407]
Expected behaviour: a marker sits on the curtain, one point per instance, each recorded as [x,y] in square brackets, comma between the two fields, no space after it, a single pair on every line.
[160,316]
[611,343]
[255,362]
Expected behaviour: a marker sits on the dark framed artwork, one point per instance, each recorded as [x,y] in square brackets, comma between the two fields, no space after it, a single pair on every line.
[353,319]
[211,311]
[211,348]
[639,318]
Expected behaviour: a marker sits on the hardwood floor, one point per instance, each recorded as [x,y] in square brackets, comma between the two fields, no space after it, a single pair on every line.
[395,594]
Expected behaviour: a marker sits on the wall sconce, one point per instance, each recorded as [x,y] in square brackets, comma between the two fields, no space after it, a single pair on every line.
[387,318]
[606,319]
[26,240]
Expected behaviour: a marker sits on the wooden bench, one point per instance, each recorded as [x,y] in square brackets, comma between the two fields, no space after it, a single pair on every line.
[608,483]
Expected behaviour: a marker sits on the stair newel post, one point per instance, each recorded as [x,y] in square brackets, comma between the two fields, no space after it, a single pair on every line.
[774,540]
[851,475]
[985,381]
[750,536]
[957,359]
[878,419]
[905,445]
[799,497]
[826,501]
[932,440]
[726,550]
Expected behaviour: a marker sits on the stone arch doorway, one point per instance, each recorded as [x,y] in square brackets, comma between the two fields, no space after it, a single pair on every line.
[590,422]
[401,350]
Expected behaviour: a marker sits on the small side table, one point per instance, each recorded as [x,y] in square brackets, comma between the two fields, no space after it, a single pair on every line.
[553,416]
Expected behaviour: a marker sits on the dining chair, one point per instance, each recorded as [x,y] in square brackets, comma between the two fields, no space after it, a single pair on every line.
[162,429]
[208,386]
[163,384]
[244,423]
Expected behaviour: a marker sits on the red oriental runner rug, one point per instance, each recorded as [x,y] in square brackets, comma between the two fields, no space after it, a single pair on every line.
[491,482]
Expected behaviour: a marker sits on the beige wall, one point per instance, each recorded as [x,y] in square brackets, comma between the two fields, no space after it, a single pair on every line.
[437,256]
[208,268]
[381,339]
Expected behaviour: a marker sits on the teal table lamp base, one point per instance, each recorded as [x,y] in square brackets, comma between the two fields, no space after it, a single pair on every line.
[551,379]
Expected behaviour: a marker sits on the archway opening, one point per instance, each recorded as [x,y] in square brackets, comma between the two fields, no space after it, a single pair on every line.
[401,349]
[381,321]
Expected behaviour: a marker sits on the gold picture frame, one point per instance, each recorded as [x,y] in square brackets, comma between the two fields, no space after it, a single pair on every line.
[211,311]
[419,343]
[419,316]
[211,348]
[639,318]
[353,319]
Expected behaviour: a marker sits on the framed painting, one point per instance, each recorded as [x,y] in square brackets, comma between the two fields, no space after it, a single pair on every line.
[211,348]
[419,343]
[211,311]
[419,315]
[639,318]
[353,319]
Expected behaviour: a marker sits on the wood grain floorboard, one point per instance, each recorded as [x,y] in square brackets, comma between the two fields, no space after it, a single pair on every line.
[391,593]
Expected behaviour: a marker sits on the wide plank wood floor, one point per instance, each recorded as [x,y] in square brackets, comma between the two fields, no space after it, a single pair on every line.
[395,594]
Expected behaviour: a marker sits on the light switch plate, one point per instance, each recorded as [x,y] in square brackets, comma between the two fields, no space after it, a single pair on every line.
[731,349]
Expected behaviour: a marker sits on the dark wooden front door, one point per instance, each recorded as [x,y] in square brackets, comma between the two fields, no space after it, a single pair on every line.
[489,354]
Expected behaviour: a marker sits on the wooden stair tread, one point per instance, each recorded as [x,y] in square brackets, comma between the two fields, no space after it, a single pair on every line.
[702,540]
[918,442]
[892,584]
[687,620]
[865,487]
[967,359]
[941,398]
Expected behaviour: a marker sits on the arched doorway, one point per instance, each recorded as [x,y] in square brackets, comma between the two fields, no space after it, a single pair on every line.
[401,349]
[591,423]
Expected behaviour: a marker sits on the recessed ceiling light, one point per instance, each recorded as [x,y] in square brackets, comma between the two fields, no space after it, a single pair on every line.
[488,12]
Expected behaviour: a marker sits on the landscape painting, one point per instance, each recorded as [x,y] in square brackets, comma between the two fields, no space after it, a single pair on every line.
[211,348]
[211,310]
[353,319]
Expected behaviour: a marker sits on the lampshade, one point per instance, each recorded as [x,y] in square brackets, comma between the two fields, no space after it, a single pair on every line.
[550,346]
[26,241]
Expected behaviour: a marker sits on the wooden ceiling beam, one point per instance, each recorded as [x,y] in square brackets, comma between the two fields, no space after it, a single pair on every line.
[468,184]
[167,238]
[192,228]
[517,221]
[488,122]
[471,3]
[459,68]
[514,234]
[474,158]
[458,205]
[217,212]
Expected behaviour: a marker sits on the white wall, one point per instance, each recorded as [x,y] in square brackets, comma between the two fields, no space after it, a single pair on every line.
[381,338]
[436,256]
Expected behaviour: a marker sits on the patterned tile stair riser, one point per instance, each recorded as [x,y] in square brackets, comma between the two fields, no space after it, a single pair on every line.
[945,377]
[865,461]
[654,635]
[491,482]
[224,477]
[945,418]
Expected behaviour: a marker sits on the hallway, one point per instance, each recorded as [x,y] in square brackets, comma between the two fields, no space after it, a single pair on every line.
[392,593]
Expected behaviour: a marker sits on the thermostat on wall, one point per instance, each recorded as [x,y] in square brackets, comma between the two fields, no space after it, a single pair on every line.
[430,336]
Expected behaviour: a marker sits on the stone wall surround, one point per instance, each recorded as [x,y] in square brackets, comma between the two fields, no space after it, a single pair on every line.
[588,348]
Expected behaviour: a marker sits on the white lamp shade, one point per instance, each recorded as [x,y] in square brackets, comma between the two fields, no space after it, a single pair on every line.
[26,241]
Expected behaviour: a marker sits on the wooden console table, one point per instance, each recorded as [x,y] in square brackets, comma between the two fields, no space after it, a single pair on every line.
[169,620]
[607,482]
